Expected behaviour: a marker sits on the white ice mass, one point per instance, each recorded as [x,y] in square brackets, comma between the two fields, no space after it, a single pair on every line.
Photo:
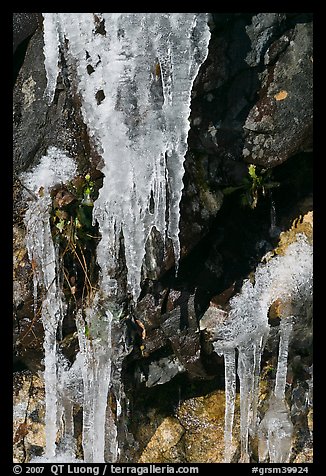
[135,79]
[134,74]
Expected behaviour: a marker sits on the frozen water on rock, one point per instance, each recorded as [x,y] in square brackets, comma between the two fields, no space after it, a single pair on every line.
[230,386]
[288,278]
[95,350]
[276,428]
[285,333]
[135,78]
[51,53]
[55,167]
[135,82]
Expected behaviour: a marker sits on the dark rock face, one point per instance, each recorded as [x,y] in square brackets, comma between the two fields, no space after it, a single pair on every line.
[280,123]
[179,330]
[24,25]
[252,102]
[37,125]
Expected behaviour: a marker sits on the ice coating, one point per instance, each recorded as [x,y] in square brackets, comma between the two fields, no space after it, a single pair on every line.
[135,75]
[51,53]
[230,386]
[95,351]
[276,428]
[288,278]
[55,167]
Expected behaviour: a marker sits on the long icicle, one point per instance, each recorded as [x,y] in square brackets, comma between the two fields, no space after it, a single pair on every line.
[285,333]
[276,428]
[246,377]
[230,387]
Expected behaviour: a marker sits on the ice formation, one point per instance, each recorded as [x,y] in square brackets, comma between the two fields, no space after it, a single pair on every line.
[288,278]
[276,428]
[230,387]
[96,374]
[135,74]
[55,167]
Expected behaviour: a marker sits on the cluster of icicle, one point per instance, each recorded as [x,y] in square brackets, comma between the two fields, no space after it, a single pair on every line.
[134,75]
[55,167]
[87,381]
[289,279]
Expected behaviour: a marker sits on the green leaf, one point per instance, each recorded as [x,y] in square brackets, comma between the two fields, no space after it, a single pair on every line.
[61,225]
[252,171]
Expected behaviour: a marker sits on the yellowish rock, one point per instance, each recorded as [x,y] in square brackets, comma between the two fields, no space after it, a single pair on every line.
[303,225]
[195,434]
[161,447]
[203,419]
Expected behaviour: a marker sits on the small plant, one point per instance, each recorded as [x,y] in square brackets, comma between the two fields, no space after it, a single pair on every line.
[253,185]
[74,233]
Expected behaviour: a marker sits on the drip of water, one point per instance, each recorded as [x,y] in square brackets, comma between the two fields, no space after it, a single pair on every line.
[274,230]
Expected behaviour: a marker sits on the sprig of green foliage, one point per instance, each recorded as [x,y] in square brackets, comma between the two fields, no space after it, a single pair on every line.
[254,184]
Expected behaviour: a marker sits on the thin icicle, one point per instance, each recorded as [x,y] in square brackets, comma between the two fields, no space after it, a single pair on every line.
[51,53]
[246,372]
[230,384]
[285,333]
[259,347]
[276,428]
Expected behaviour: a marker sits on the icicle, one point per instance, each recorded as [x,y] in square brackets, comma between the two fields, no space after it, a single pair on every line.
[42,255]
[41,252]
[95,347]
[285,332]
[276,427]
[246,371]
[259,347]
[136,104]
[230,381]
[51,53]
